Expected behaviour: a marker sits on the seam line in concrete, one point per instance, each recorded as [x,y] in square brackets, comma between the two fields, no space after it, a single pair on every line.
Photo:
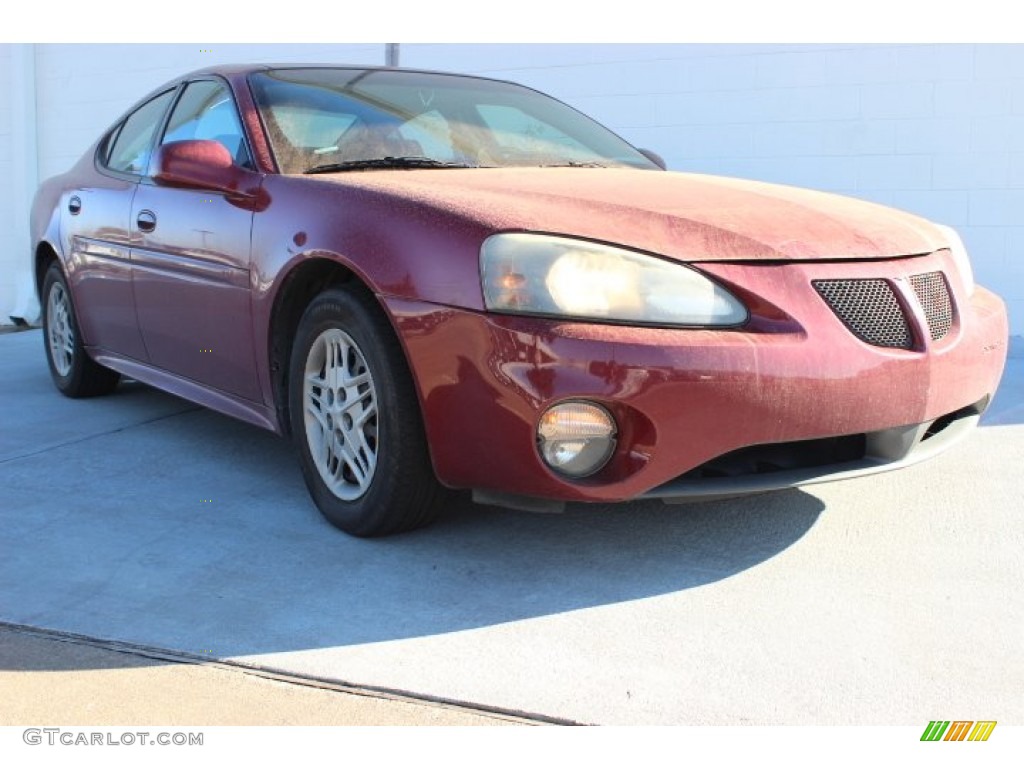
[271,673]
[86,438]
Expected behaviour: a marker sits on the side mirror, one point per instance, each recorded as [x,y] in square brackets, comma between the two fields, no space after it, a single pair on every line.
[654,157]
[201,164]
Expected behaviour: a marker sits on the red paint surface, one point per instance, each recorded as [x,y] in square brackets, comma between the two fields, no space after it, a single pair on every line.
[683,397]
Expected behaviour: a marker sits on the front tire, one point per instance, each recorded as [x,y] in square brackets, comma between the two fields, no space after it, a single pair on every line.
[74,373]
[355,419]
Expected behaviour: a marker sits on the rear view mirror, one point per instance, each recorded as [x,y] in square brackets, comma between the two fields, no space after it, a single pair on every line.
[201,164]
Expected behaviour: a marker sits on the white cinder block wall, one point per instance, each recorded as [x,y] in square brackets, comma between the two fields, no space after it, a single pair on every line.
[9,257]
[934,129]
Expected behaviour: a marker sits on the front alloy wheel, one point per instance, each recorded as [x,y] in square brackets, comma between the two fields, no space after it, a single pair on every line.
[355,418]
[340,412]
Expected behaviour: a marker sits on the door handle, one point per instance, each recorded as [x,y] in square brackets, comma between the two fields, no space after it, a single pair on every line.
[146,221]
[75,205]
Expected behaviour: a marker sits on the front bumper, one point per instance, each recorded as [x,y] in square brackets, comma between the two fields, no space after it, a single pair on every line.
[764,468]
[683,398]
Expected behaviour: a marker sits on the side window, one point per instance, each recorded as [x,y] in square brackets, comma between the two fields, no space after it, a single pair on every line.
[108,144]
[207,111]
[130,151]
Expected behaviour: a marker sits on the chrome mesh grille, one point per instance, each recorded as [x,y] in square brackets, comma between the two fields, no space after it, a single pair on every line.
[933,294]
[870,309]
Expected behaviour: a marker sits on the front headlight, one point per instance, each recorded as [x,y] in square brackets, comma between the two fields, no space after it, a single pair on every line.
[960,258]
[548,275]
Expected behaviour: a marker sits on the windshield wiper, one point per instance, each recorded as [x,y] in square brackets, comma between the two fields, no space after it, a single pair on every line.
[574,164]
[385,162]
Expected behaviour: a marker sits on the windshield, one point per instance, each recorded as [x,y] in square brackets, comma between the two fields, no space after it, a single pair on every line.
[326,120]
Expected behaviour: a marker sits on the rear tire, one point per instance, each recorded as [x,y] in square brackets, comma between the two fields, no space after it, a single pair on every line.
[355,419]
[74,373]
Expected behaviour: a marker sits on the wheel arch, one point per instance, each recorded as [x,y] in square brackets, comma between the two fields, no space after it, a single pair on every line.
[298,287]
[44,255]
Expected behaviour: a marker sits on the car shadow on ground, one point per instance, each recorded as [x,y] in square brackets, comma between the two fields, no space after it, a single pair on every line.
[1008,405]
[194,532]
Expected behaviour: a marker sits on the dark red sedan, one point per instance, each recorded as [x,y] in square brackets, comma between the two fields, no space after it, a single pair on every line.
[433,282]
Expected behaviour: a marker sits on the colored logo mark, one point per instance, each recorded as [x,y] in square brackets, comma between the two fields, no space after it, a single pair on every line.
[958,730]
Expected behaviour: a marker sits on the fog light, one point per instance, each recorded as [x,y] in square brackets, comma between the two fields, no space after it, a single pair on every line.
[576,438]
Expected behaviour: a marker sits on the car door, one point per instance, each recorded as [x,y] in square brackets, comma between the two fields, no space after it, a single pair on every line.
[190,258]
[95,228]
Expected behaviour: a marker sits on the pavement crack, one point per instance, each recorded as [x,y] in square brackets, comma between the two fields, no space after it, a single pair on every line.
[282,676]
[86,438]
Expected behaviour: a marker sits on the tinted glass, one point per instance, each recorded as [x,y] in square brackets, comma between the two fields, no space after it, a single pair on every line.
[432,134]
[131,149]
[108,144]
[207,111]
[325,116]
[518,131]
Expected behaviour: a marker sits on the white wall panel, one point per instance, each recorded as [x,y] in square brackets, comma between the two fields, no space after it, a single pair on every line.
[8,257]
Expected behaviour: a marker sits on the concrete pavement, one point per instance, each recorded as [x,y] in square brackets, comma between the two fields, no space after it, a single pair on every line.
[46,681]
[877,601]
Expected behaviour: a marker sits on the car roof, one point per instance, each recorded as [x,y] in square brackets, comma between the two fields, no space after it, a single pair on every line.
[227,70]
[233,72]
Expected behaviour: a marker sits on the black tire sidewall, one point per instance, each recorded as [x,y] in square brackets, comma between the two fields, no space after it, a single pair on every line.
[70,383]
[401,452]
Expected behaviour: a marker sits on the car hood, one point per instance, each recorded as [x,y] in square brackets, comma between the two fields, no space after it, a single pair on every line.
[684,216]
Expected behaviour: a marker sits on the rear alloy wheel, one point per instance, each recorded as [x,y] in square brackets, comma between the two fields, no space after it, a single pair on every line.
[356,421]
[74,373]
